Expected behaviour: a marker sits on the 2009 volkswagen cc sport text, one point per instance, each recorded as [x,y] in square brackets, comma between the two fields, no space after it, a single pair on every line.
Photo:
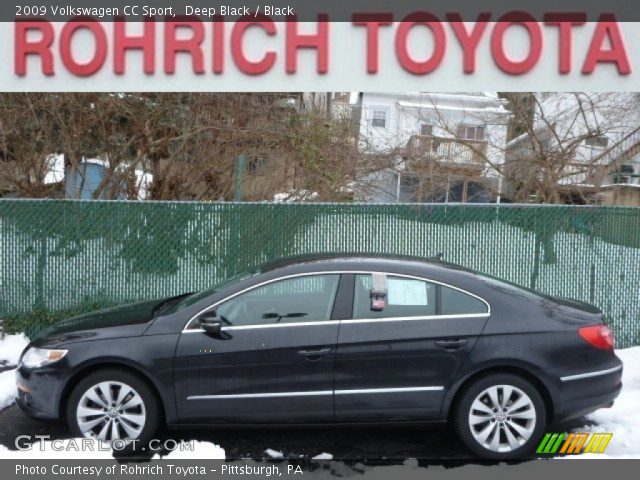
[320,340]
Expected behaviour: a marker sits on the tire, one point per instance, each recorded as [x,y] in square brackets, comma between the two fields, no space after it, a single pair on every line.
[136,418]
[513,428]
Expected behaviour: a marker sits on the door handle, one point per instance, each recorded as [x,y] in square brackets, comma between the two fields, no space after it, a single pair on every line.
[452,344]
[318,352]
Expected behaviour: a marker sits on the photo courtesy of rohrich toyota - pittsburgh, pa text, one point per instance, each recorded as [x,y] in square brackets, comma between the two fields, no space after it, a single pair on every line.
[319,239]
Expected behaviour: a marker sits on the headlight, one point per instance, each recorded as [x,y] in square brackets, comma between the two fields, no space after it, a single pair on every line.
[39,357]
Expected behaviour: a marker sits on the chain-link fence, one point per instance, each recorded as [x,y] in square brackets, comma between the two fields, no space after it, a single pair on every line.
[62,257]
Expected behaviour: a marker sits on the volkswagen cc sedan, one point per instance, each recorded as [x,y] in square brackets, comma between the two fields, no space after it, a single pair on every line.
[330,340]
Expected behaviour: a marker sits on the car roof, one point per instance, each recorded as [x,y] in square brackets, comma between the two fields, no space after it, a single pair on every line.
[337,259]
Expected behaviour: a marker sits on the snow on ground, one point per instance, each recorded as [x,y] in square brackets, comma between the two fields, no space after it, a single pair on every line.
[273,453]
[323,456]
[11,347]
[202,450]
[623,419]
[75,448]
[8,390]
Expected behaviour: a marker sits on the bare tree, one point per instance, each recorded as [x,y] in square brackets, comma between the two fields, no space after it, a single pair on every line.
[191,143]
[565,145]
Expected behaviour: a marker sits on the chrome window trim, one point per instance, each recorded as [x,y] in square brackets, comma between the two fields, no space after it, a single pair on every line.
[347,321]
[272,325]
[597,373]
[317,393]
[186,328]
[404,319]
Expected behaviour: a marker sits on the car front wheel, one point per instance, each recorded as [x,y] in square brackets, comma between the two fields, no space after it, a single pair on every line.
[501,416]
[113,405]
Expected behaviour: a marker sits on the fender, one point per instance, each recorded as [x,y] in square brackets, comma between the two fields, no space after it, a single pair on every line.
[165,392]
[527,369]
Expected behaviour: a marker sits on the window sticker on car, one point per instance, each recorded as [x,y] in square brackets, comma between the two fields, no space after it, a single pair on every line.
[378,292]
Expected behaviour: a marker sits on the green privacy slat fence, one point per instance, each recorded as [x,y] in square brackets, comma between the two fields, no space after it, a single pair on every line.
[60,257]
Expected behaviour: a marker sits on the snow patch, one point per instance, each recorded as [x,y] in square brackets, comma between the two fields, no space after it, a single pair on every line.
[11,347]
[411,463]
[273,453]
[143,182]
[323,456]
[8,390]
[54,166]
[295,196]
[201,450]
[623,419]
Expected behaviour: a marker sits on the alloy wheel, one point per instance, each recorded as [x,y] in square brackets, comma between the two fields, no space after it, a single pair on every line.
[502,418]
[111,411]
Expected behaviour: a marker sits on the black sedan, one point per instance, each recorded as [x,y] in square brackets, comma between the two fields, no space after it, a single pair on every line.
[330,340]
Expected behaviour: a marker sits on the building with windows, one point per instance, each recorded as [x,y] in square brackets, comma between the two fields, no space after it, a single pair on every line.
[431,147]
[577,148]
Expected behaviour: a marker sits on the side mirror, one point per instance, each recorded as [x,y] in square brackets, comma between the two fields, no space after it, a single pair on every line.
[210,322]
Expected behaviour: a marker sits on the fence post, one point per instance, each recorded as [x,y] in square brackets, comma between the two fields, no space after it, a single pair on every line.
[240,160]
[536,254]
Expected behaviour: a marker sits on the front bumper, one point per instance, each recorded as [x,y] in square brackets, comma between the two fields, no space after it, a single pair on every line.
[38,392]
[26,405]
[583,391]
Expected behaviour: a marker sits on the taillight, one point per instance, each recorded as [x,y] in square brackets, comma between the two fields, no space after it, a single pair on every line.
[600,336]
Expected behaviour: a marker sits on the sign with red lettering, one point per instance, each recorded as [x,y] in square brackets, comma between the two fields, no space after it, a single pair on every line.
[372,51]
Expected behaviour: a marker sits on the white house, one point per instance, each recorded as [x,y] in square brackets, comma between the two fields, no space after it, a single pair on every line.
[590,140]
[432,146]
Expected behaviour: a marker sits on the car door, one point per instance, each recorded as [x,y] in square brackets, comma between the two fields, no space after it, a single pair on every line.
[271,362]
[395,359]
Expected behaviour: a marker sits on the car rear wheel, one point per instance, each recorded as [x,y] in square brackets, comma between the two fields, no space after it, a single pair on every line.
[113,405]
[500,416]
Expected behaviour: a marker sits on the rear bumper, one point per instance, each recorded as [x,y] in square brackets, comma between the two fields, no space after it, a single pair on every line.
[581,392]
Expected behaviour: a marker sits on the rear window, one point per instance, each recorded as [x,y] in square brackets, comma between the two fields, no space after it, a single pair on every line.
[409,297]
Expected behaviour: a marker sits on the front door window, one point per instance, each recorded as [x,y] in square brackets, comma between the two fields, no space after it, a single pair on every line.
[294,300]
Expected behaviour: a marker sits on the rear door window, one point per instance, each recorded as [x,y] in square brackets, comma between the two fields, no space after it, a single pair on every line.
[406,297]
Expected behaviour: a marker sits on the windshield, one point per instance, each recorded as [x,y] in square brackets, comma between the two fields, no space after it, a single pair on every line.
[194,298]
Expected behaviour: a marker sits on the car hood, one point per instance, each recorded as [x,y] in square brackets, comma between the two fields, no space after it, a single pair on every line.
[124,320]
